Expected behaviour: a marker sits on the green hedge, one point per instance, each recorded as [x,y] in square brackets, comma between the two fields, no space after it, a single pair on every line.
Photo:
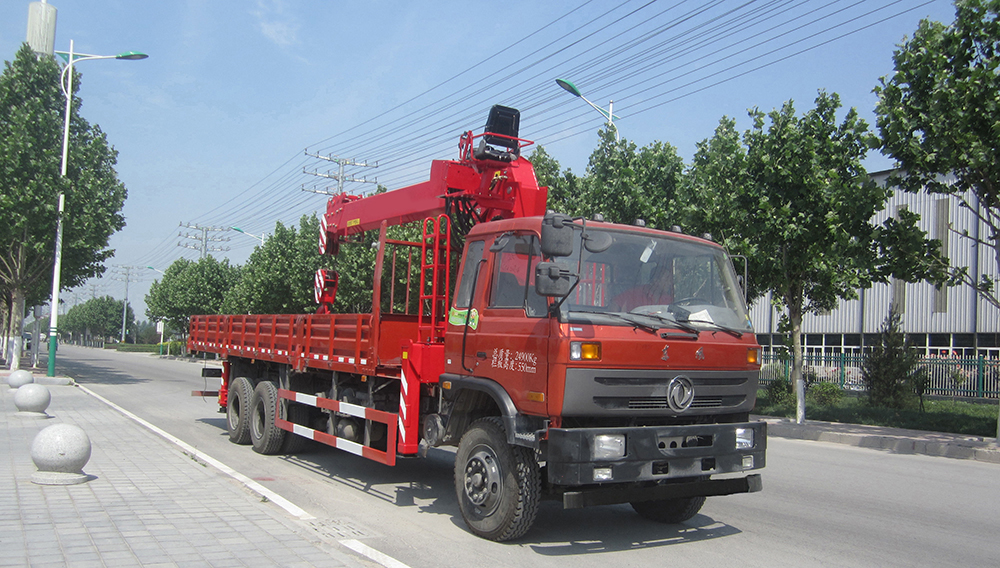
[137,348]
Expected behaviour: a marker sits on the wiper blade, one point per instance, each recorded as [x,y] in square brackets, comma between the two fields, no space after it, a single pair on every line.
[673,323]
[734,332]
[633,321]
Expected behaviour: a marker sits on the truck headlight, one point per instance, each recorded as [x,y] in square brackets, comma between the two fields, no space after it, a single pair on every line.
[744,438]
[609,446]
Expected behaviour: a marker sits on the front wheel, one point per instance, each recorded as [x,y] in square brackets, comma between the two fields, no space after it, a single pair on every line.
[498,485]
[670,511]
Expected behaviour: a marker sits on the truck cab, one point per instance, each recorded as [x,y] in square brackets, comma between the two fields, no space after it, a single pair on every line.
[623,355]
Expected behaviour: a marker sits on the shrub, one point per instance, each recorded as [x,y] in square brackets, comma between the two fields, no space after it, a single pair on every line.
[826,394]
[779,391]
[891,371]
[136,348]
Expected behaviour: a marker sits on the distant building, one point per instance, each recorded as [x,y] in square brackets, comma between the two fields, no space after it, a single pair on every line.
[949,321]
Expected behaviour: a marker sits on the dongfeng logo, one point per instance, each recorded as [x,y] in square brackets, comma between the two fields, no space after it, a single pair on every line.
[680,393]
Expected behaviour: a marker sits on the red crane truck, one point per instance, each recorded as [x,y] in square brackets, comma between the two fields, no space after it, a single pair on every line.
[569,359]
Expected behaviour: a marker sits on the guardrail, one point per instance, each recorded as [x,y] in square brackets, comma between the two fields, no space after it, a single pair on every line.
[949,376]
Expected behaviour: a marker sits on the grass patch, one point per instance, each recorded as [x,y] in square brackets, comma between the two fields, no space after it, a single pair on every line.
[973,419]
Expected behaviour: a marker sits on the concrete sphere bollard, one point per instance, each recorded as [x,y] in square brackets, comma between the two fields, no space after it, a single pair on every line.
[31,400]
[60,451]
[19,378]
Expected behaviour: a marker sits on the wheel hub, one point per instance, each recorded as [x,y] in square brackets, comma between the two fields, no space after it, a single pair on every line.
[483,480]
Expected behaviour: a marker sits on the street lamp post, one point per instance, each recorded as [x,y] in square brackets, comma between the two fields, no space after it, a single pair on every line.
[239,230]
[66,85]
[608,114]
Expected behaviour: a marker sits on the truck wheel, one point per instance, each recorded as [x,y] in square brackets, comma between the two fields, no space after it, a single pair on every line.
[669,511]
[498,485]
[238,410]
[265,436]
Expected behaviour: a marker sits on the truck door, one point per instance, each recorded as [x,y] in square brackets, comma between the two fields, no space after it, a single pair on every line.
[511,342]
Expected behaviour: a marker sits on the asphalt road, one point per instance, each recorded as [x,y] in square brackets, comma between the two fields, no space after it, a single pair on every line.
[822,504]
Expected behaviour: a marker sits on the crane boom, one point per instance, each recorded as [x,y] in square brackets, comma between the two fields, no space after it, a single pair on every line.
[485,183]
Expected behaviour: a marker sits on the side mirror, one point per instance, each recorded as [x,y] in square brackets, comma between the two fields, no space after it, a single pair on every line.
[557,235]
[552,279]
[597,241]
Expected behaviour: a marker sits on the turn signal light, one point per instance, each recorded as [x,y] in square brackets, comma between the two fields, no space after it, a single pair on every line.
[753,356]
[581,351]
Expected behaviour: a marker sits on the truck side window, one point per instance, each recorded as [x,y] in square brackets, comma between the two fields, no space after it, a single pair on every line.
[514,277]
[473,254]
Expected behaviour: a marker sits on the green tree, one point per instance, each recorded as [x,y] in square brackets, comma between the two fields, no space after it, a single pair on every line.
[188,288]
[939,116]
[794,198]
[278,277]
[146,334]
[891,371]
[31,118]
[98,317]
[623,182]
[564,188]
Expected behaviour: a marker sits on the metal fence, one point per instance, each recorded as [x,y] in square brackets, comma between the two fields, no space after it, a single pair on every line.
[949,376]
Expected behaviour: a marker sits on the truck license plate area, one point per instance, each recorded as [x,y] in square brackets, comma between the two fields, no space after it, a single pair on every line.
[676,442]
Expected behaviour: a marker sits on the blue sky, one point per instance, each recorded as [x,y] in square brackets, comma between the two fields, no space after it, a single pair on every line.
[212,128]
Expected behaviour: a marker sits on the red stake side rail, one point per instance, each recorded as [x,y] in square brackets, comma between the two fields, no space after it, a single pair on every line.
[389,419]
[336,342]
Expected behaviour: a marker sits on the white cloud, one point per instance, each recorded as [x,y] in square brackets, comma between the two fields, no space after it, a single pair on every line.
[275,24]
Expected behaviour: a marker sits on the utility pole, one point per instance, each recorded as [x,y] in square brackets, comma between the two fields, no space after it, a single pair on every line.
[204,238]
[125,273]
[93,289]
[340,176]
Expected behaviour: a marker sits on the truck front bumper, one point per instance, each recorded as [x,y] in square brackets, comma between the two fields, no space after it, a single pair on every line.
[575,457]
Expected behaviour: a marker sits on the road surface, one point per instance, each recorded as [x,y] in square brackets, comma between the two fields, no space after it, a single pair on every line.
[822,504]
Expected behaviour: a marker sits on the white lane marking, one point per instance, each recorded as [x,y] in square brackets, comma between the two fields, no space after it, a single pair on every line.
[369,552]
[250,484]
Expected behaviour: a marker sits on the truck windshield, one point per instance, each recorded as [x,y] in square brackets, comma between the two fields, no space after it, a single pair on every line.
[661,277]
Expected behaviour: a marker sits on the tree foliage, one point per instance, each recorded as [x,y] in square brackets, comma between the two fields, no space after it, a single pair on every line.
[794,198]
[278,276]
[939,117]
[623,182]
[31,122]
[98,318]
[188,288]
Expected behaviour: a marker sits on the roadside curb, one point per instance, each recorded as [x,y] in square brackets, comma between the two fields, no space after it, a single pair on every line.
[896,441]
[42,379]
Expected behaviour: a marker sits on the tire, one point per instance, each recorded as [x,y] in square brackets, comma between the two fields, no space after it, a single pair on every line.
[498,485]
[238,410]
[670,511]
[295,444]
[264,435]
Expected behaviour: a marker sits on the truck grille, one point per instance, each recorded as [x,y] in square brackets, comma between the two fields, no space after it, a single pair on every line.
[660,402]
[643,392]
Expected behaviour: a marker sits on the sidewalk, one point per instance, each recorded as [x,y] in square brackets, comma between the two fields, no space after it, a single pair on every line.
[147,504]
[895,440]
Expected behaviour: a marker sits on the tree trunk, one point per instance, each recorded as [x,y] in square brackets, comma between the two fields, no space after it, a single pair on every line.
[17,329]
[795,319]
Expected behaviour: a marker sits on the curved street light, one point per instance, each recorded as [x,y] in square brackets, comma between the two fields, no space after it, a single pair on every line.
[66,85]
[239,230]
[607,114]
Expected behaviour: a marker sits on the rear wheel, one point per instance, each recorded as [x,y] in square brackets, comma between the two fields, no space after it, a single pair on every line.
[238,410]
[498,485]
[266,437]
[669,511]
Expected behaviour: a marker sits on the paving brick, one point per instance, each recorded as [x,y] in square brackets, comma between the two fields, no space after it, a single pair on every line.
[147,503]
